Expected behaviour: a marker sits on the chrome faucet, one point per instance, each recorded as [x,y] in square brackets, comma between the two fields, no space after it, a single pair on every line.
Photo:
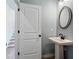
[61,36]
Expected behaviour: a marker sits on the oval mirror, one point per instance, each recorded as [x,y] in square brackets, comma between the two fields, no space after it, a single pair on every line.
[65,17]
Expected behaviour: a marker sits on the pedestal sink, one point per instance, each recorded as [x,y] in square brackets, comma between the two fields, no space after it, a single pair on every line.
[59,43]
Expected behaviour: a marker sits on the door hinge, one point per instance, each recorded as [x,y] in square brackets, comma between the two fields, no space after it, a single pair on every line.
[18,53]
[18,9]
[18,31]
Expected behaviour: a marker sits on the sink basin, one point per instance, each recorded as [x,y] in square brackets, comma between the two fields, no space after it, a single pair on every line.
[59,41]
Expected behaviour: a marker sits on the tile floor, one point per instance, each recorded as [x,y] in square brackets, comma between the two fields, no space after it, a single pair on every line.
[49,58]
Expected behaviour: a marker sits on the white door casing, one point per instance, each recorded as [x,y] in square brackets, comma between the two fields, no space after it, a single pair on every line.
[29,38]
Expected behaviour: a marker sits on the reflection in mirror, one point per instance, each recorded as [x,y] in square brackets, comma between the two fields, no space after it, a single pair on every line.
[65,17]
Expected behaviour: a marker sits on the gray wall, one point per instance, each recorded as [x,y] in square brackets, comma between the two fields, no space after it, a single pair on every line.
[67,32]
[49,15]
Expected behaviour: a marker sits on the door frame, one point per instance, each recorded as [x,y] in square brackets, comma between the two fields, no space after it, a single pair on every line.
[16,34]
[17,22]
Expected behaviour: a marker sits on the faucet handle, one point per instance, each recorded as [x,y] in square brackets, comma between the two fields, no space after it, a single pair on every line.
[60,34]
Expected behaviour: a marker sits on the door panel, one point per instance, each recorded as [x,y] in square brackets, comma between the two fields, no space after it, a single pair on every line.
[33,56]
[30,28]
[30,46]
[29,22]
[30,35]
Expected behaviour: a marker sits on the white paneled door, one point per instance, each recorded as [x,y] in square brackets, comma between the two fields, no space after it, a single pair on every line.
[29,32]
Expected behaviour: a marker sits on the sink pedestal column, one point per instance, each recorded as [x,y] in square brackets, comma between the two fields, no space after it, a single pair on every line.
[59,53]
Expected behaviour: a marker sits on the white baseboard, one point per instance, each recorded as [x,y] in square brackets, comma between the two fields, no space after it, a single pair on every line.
[47,55]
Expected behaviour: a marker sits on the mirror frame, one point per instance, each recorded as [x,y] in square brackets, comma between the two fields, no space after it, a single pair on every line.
[70,17]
